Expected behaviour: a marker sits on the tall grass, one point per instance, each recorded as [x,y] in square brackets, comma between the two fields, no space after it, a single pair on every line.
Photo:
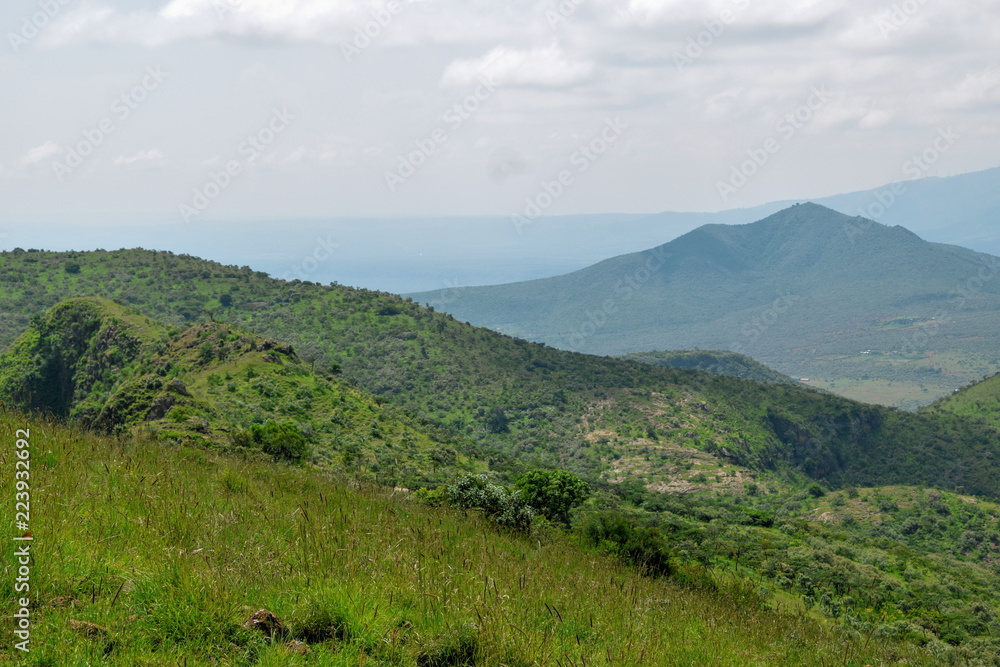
[171,549]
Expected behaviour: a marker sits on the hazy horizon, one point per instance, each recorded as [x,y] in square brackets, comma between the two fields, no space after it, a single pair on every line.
[135,113]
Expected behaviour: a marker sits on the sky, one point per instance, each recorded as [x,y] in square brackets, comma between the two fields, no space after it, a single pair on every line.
[189,111]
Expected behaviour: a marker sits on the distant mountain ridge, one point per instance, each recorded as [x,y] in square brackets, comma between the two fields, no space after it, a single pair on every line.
[717,362]
[804,286]
[428,253]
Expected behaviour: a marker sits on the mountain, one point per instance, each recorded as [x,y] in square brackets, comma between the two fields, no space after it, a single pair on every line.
[522,404]
[958,210]
[742,494]
[807,291]
[717,362]
[113,369]
[429,253]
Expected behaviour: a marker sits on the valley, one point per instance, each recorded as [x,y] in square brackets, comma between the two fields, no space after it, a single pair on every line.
[870,529]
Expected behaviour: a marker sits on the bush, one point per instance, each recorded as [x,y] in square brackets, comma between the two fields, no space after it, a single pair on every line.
[505,508]
[553,493]
[283,442]
[642,546]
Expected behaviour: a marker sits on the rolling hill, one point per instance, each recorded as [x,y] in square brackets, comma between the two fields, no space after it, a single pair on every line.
[808,291]
[980,400]
[361,572]
[110,368]
[150,553]
[523,404]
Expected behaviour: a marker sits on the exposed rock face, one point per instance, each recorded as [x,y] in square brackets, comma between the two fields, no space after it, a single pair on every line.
[160,407]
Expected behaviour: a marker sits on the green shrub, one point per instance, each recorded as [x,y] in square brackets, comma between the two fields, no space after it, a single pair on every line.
[642,546]
[815,490]
[506,509]
[283,442]
[553,493]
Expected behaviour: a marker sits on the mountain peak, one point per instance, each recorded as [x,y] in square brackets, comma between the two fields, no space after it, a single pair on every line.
[802,286]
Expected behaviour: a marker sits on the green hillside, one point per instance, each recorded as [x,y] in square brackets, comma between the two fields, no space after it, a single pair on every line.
[536,406]
[716,362]
[113,369]
[707,482]
[182,549]
[980,401]
[807,291]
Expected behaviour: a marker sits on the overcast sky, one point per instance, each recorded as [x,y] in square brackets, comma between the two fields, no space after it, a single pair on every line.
[192,110]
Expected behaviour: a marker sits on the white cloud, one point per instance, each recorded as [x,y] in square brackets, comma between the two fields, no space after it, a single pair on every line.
[142,156]
[608,57]
[323,21]
[549,66]
[39,153]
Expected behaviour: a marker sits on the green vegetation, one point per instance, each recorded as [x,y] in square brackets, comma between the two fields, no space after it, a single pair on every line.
[738,501]
[182,549]
[804,291]
[915,564]
[717,362]
[553,493]
[980,401]
[111,368]
[517,405]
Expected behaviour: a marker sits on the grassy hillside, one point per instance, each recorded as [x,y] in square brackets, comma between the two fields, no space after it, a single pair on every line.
[980,401]
[716,362]
[808,291]
[113,369]
[181,548]
[603,418]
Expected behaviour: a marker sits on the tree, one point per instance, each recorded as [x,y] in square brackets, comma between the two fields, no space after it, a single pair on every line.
[496,421]
[553,493]
[506,509]
[283,442]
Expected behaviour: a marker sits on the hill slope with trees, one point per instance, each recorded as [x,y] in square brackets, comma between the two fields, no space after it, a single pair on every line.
[110,368]
[535,406]
[716,362]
